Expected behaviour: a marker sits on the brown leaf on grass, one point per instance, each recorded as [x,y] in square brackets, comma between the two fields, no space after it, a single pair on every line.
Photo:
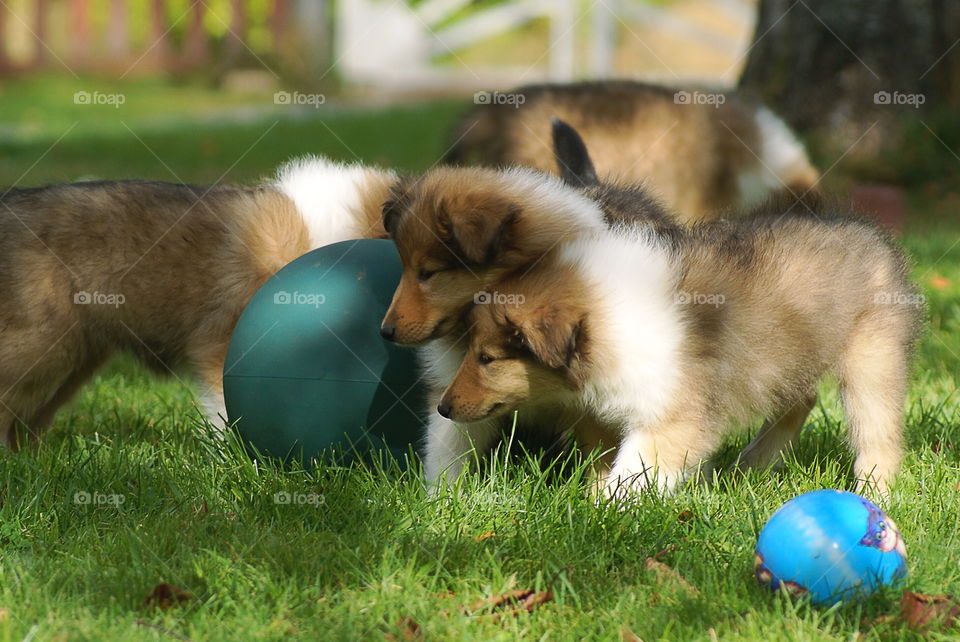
[626,635]
[409,630]
[164,596]
[666,551]
[686,516]
[920,610]
[939,282]
[510,603]
[665,573]
[487,535]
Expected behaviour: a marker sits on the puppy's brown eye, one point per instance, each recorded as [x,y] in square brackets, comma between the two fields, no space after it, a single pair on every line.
[485,358]
[424,275]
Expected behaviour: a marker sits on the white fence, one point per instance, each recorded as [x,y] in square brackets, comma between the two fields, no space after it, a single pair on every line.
[390,44]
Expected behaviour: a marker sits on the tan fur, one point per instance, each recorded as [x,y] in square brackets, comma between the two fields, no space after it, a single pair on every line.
[690,155]
[802,298]
[185,259]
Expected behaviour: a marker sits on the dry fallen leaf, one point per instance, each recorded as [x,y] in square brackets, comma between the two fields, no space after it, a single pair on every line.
[510,603]
[164,596]
[488,535]
[665,551]
[919,610]
[940,282]
[686,516]
[409,630]
[665,573]
[626,635]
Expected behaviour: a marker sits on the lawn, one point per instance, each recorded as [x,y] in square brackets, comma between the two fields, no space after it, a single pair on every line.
[373,557]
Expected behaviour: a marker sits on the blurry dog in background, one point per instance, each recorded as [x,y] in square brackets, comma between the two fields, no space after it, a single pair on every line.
[160,270]
[705,154]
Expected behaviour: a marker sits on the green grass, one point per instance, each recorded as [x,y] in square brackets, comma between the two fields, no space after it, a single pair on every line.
[376,550]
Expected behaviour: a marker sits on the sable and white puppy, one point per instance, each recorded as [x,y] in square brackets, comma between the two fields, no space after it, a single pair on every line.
[704,154]
[158,269]
[460,230]
[669,342]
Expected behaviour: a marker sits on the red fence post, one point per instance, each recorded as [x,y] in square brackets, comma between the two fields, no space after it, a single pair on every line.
[279,23]
[80,31]
[118,42]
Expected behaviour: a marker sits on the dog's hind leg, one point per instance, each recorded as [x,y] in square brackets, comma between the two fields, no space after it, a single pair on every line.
[43,417]
[873,382]
[208,368]
[776,435]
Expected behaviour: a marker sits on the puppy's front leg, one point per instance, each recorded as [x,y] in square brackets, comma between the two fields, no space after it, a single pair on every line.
[661,456]
[449,447]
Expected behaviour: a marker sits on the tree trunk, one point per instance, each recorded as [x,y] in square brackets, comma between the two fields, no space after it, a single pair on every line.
[234,46]
[159,53]
[196,49]
[855,65]
[41,20]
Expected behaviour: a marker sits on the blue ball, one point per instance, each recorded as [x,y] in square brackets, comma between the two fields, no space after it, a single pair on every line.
[832,545]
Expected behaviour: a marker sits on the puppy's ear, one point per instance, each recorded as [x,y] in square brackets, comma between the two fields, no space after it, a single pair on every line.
[555,335]
[476,228]
[393,207]
[391,216]
[571,154]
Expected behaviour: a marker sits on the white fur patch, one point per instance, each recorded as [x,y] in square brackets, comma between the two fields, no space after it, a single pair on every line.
[564,202]
[635,323]
[329,196]
[441,358]
[783,159]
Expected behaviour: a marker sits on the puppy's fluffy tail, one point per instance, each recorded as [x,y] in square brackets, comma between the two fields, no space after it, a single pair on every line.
[784,155]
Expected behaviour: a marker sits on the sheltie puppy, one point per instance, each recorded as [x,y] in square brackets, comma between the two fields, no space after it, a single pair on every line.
[459,230]
[670,341]
[704,154]
[157,269]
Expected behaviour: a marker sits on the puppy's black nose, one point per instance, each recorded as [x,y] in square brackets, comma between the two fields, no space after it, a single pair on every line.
[444,409]
[388,331]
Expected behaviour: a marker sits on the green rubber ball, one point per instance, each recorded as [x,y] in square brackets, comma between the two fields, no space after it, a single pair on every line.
[307,373]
